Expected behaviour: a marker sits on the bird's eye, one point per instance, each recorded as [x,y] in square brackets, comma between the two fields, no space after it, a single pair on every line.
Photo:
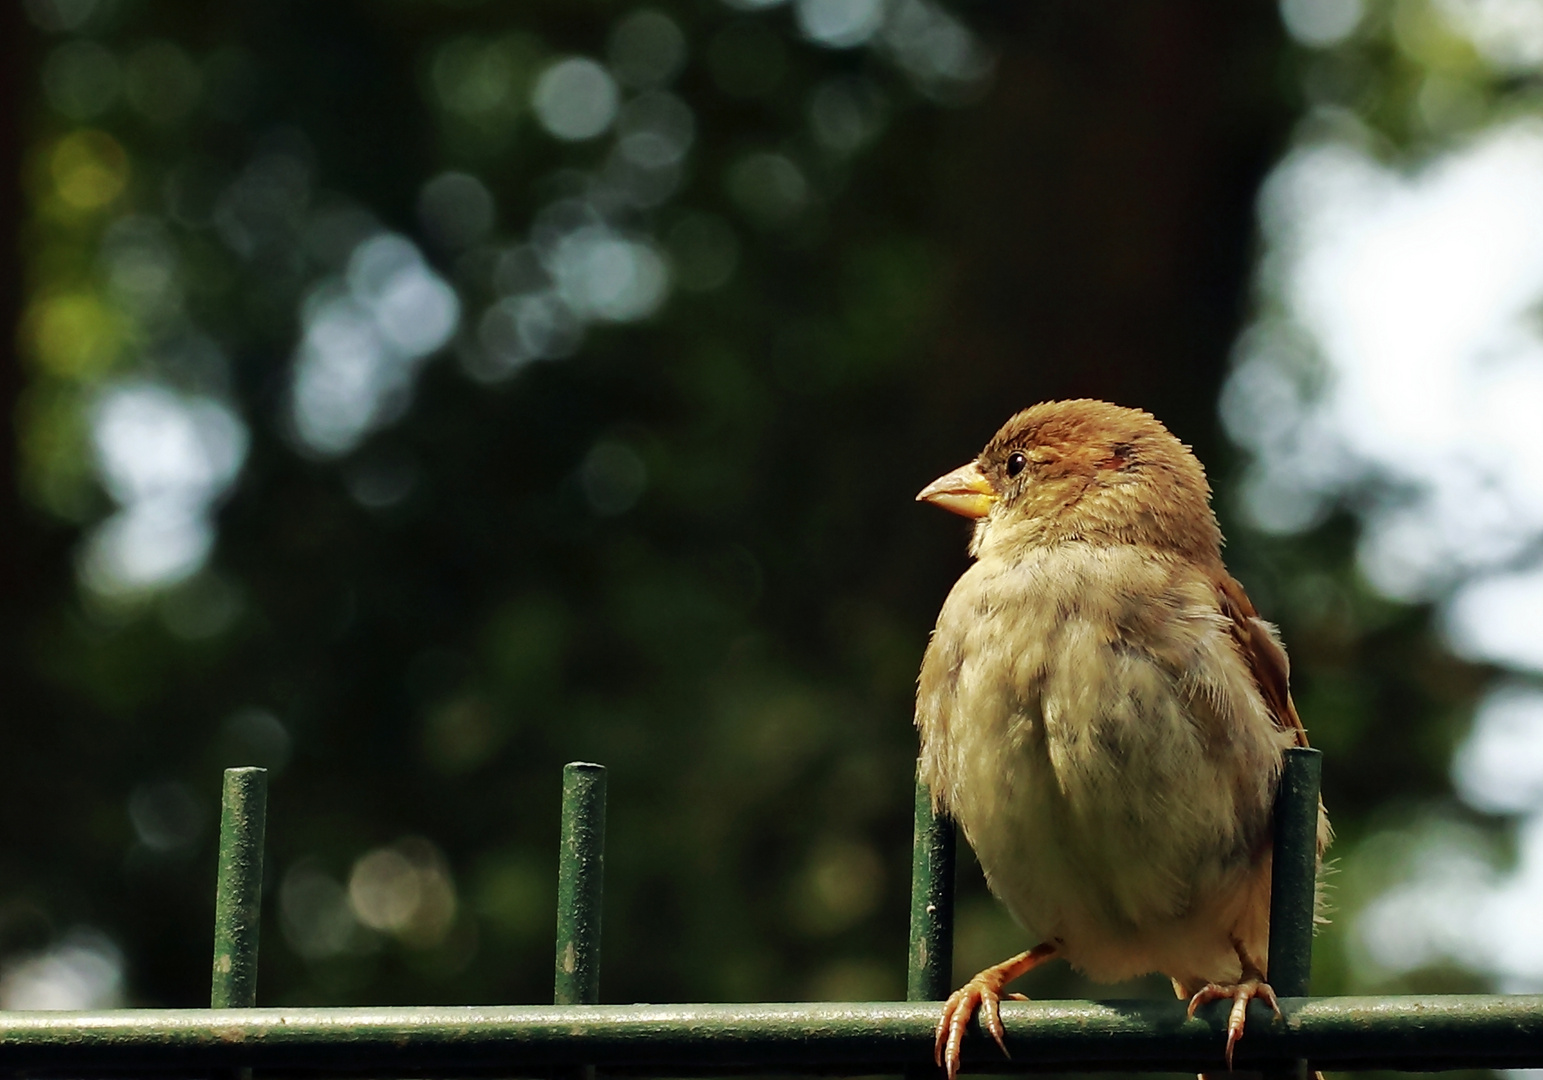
[1016,463]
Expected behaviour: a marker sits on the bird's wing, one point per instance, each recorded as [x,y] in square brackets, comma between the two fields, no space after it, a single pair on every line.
[1265,657]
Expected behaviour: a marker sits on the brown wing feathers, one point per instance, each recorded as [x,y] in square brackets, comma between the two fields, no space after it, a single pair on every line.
[1266,659]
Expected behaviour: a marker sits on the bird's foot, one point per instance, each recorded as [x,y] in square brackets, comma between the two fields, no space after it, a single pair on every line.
[1251,986]
[981,993]
[984,994]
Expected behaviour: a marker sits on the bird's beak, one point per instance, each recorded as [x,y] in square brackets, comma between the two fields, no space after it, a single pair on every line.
[965,491]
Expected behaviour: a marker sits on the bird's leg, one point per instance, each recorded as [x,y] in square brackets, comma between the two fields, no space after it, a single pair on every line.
[1250,985]
[984,992]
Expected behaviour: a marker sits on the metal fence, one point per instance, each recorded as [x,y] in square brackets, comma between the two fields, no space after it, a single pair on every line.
[574,1034]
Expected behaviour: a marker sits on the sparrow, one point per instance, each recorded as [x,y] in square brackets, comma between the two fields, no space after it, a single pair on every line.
[1103,712]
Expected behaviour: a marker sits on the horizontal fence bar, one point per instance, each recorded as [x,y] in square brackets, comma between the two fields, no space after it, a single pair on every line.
[1411,1033]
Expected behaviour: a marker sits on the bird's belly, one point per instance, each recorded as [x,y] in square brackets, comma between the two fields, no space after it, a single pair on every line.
[1106,823]
[1087,718]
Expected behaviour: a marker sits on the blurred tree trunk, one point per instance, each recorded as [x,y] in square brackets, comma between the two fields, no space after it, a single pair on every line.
[1100,204]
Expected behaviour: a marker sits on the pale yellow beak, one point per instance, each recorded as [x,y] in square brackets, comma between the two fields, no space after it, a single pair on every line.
[965,491]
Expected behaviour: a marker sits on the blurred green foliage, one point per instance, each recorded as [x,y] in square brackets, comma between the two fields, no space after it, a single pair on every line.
[684,545]
[1410,83]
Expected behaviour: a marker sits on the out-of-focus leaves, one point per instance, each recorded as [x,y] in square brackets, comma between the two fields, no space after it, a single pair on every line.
[651,501]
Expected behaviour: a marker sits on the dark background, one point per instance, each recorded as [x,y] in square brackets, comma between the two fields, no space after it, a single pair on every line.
[739,644]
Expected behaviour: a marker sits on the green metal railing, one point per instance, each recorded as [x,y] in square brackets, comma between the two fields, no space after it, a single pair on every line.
[575,1036]
[238,890]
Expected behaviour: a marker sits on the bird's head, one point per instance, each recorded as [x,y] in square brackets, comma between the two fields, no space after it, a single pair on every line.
[1086,471]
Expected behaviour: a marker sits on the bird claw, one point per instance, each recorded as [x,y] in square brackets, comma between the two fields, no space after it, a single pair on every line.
[1240,994]
[983,994]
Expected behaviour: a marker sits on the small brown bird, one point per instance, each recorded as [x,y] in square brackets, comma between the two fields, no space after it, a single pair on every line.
[1103,712]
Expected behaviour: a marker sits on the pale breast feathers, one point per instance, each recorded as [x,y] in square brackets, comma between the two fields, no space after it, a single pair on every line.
[1088,710]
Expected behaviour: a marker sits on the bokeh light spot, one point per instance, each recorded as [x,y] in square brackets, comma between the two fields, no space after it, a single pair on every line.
[384,890]
[646,49]
[839,24]
[575,99]
[462,733]
[521,328]
[614,478]
[314,913]
[166,817]
[1495,618]
[840,884]
[944,59]
[142,269]
[74,335]
[1508,33]
[153,443]
[341,375]
[264,209]
[606,276]
[480,79]
[416,310]
[144,546]
[90,169]
[83,971]
[518,270]
[362,345]
[1410,354]
[254,736]
[164,458]
[383,477]
[846,113]
[404,890]
[456,209]
[1321,23]
[1499,767]
[768,187]
[655,130]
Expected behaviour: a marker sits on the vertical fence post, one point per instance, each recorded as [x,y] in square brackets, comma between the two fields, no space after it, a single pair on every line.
[580,889]
[580,885]
[929,970]
[930,959]
[1294,882]
[239,888]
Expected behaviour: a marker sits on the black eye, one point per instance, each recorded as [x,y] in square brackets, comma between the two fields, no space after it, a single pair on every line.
[1016,463]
